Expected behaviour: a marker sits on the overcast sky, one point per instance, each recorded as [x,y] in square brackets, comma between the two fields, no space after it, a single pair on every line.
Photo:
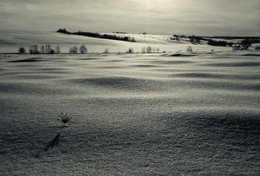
[199,17]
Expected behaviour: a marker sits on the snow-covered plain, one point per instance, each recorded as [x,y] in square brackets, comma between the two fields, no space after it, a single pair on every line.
[133,114]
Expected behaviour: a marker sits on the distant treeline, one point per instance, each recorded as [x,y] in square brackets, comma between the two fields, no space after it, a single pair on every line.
[256,39]
[47,49]
[98,35]
[219,43]
[245,42]
[120,32]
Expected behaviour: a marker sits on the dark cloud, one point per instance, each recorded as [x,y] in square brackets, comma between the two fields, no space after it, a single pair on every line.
[206,17]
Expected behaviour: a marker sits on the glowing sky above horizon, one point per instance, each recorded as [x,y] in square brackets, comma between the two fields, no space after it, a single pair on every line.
[199,17]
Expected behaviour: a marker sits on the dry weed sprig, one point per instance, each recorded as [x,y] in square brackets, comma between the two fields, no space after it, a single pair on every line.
[64,118]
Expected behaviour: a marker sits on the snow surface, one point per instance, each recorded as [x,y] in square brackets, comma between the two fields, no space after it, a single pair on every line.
[133,114]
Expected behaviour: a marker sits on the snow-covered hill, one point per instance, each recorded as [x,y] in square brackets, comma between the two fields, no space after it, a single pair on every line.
[10,41]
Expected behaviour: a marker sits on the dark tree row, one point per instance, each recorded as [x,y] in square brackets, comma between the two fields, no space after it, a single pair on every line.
[98,35]
[219,43]
[46,49]
[245,43]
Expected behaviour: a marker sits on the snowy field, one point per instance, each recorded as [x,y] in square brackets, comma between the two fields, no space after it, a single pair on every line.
[133,114]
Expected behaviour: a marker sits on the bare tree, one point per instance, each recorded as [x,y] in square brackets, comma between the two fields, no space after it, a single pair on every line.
[149,49]
[33,49]
[42,49]
[21,50]
[73,50]
[130,50]
[106,51]
[143,50]
[83,49]
[189,49]
[49,50]
[57,49]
